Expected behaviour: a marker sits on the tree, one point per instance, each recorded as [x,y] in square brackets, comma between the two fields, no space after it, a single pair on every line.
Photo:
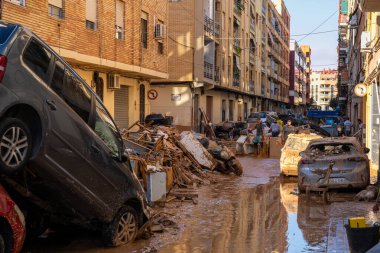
[334,103]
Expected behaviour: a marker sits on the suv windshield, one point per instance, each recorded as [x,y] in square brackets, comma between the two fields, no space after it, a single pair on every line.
[5,32]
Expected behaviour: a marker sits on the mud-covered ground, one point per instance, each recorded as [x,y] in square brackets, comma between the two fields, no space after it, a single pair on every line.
[258,212]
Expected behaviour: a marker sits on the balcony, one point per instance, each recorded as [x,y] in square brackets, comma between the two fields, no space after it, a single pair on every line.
[209,26]
[252,24]
[251,57]
[262,90]
[371,5]
[208,70]
[236,79]
[236,42]
[217,74]
[239,7]
[217,29]
[251,86]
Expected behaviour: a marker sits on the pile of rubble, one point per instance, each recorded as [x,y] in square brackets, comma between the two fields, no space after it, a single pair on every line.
[182,156]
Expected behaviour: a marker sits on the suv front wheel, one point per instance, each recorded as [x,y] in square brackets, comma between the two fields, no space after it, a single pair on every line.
[15,145]
[123,229]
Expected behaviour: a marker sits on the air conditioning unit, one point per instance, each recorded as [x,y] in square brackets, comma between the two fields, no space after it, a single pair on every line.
[113,81]
[159,31]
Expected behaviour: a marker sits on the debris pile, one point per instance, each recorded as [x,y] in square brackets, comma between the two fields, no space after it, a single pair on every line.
[183,156]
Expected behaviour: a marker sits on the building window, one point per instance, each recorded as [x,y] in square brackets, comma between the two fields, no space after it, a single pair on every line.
[91,14]
[144,30]
[17,2]
[55,8]
[160,48]
[119,26]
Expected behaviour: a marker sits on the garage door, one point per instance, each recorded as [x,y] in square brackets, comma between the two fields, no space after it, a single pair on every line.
[121,107]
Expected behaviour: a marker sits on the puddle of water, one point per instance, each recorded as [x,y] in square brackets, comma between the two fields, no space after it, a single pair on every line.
[267,218]
[248,214]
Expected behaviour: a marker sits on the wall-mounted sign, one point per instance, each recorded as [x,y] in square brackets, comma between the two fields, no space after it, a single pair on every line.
[360,90]
[176,97]
[152,94]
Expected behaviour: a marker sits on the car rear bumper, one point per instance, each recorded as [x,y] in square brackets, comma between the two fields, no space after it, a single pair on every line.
[357,178]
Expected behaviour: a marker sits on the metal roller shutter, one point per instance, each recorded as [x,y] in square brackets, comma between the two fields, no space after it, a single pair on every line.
[121,107]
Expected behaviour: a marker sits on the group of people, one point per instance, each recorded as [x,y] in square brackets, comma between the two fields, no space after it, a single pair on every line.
[275,129]
[348,126]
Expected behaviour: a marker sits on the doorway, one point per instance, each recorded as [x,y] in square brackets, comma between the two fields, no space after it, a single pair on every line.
[209,107]
[142,103]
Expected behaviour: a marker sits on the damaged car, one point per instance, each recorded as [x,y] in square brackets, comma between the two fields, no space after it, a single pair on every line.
[12,224]
[349,160]
[59,147]
[290,153]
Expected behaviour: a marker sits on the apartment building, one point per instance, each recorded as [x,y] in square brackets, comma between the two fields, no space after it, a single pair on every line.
[116,46]
[297,72]
[307,52]
[324,87]
[276,91]
[219,60]
[364,67]
[343,76]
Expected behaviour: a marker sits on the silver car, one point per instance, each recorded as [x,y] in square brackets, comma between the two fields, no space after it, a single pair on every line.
[350,169]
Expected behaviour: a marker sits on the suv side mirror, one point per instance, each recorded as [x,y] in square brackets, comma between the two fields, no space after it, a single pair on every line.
[302,154]
[366,150]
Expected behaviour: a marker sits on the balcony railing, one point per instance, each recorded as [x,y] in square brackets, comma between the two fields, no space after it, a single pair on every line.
[236,43]
[239,7]
[217,29]
[252,24]
[251,86]
[208,70]
[236,80]
[251,57]
[209,26]
[217,74]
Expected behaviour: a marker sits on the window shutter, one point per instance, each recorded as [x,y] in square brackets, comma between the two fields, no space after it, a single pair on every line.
[56,3]
[91,10]
[120,13]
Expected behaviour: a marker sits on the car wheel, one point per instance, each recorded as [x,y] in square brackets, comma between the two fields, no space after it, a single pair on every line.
[2,244]
[15,145]
[123,229]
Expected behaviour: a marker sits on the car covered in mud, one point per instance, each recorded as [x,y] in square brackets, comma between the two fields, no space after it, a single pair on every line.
[12,224]
[290,157]
[350,163]
[59,146]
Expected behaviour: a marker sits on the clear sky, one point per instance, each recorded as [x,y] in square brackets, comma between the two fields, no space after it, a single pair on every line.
[305,16]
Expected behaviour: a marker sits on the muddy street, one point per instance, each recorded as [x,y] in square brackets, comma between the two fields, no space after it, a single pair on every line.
[258,212]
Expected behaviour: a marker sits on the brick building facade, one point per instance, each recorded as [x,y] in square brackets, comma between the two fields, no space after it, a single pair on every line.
[109,43]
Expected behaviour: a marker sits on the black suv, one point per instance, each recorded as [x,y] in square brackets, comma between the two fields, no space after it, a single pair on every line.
[59,144]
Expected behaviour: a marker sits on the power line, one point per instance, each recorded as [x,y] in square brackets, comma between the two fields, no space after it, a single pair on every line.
[324,22]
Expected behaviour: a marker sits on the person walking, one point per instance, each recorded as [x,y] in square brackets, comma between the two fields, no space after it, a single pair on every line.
[275,129]
[288,129]
[347,127]
[360,126]
[259,131]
